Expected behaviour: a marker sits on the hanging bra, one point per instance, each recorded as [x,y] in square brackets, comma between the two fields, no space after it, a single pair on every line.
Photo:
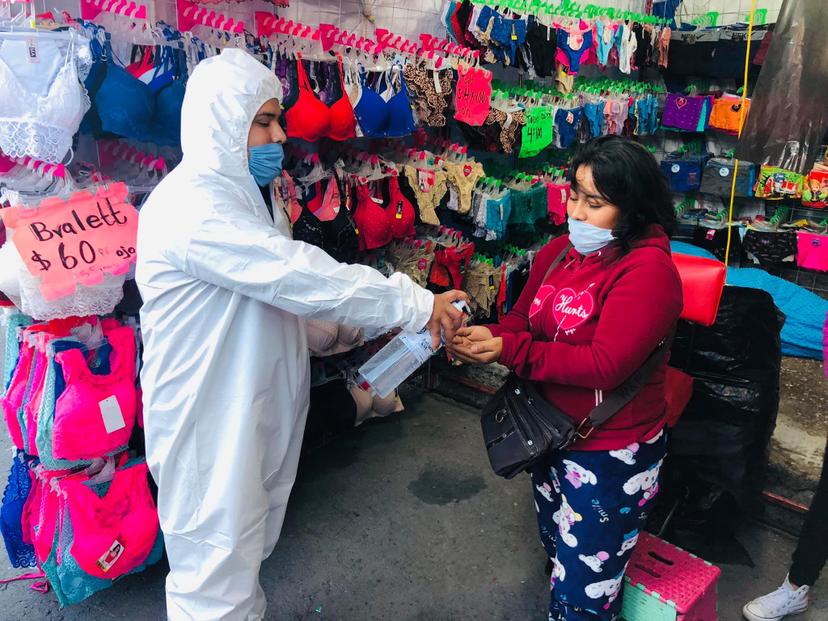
[13,399]
[339,234]
[115,532]
[43,516]
[155,69]
[95,413]
[18,545]
[54,385]
[400,211]
[307,227]
[326,204]
[381,119]
[32,406]
[311,120]
[372,220]
[285,193]
[42,126]
[127,107]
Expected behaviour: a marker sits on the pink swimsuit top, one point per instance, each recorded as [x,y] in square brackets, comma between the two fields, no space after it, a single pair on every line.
[95,414]
[115,533]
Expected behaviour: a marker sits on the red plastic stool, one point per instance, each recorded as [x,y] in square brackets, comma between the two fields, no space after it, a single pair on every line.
[666,583]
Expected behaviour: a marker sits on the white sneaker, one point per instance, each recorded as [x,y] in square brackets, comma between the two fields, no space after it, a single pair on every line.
[774,606]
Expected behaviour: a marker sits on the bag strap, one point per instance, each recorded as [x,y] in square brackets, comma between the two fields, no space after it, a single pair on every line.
[622,395]
[558,260]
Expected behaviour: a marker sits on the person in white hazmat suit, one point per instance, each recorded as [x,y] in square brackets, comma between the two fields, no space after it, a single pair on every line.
[226,368]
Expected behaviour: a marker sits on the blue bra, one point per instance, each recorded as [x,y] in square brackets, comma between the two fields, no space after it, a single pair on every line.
[128,107]
[381,119]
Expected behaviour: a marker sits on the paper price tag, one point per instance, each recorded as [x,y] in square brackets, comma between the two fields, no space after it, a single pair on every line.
[537,134]
[113,418]
[64,243]
[473,96]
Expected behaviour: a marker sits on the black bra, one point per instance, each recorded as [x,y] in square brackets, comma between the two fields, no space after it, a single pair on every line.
[338,237]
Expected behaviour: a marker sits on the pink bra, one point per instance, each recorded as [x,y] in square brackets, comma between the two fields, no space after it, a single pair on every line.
[13,400]
[115,533]
[42,508]
[328,207]
[95,414]
[32,405]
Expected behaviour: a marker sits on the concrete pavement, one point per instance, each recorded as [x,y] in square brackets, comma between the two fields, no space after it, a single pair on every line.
[403,519]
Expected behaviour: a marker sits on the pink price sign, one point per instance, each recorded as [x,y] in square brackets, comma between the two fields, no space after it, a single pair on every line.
[64,243]
[473,95]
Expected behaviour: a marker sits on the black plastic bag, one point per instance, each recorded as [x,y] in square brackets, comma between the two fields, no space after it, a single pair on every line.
[724,433]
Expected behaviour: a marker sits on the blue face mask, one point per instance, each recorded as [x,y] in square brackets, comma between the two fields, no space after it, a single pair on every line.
[588,238]
[265,162]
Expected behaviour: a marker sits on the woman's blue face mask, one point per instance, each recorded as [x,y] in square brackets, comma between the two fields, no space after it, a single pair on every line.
[265,162]
[587,238]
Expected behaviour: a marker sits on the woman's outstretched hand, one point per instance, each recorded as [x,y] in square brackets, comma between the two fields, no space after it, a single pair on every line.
[476,345]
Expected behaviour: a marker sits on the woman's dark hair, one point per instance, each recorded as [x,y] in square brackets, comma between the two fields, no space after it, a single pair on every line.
[628,176]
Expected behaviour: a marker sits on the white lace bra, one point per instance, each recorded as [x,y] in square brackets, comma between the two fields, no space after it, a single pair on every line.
[42,125]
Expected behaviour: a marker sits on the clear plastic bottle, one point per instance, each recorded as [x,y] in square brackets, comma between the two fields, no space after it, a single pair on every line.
[395,362]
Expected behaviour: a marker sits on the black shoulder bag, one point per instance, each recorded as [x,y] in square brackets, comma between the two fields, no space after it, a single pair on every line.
[520,427]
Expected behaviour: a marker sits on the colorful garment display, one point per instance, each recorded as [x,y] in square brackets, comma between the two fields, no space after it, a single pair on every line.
[371,179]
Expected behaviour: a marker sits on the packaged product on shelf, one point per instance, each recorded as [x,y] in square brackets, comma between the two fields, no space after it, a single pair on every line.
[683,171]
[690,113]
[812,249]
[766,245]
[727,113]
[717,177]
[815,188]
[776,183]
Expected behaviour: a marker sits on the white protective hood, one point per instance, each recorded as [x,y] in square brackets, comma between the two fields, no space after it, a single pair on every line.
[226,369]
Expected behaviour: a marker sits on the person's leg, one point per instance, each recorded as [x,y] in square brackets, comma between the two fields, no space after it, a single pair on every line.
[808,560]
[223,483]
[213,522]
[279,484]
[605,500]
[812,550]
[546,489]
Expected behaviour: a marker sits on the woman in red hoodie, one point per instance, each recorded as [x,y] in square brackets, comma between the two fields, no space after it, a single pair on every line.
[580,330]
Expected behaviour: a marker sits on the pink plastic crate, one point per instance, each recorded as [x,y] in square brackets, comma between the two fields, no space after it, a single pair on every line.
[666,583]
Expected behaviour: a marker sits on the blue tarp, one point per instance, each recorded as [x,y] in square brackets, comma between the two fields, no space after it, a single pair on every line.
[805,311]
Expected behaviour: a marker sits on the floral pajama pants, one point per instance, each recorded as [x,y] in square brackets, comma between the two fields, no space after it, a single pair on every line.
[591,506]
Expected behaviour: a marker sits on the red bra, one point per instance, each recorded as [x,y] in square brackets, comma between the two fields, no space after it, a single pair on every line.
[400,211]
[311,120]
[372,220]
